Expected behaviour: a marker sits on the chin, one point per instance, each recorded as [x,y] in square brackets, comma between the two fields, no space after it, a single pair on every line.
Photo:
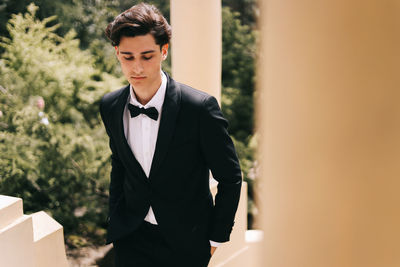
[132,81]
[137,84]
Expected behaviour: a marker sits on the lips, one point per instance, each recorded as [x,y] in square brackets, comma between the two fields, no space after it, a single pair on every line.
[138,78]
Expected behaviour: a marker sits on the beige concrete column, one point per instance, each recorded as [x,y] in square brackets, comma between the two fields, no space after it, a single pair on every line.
[329,116]
[197,44]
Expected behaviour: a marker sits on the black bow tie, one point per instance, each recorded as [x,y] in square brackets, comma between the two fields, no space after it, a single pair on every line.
[152,112]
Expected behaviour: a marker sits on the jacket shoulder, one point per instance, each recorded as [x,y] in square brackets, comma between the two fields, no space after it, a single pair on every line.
[193,96]
[110,98]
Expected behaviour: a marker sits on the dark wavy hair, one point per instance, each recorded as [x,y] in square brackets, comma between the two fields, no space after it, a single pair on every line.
[140,19]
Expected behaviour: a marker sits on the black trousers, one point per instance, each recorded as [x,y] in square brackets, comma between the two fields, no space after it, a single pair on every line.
[146,247]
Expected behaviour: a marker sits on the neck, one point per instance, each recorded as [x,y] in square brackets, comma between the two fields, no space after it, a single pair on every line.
[143,98]
[144,95]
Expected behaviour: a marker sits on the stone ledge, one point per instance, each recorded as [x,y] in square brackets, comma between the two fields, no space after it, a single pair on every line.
[43,225]
[10,210]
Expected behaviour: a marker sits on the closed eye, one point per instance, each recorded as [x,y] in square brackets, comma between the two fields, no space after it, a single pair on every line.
[147,58]
[128,58]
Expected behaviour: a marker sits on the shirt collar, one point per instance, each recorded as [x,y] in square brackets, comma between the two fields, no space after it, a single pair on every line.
[156,101]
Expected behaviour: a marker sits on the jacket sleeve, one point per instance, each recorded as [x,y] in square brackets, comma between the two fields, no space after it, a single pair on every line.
[117,169]
[221,158]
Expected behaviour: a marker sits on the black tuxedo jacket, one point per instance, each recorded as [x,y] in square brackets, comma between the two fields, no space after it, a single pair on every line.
[192,139]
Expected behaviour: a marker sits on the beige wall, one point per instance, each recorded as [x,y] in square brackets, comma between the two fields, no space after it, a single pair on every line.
[197,44]
[329,115]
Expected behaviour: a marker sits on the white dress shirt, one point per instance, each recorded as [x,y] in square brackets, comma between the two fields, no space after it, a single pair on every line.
[141,132]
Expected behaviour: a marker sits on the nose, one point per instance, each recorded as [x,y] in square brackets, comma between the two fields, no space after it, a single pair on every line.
[137,67]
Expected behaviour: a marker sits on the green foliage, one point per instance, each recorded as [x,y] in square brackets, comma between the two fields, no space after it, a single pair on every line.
[246,10]
[89,18]
[238,54]
[238,63]
[238,57]
[56,157]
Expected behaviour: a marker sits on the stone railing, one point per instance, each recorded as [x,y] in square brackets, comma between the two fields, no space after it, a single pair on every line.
[34,240]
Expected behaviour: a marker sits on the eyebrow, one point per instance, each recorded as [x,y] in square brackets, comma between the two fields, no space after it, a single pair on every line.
[142,53]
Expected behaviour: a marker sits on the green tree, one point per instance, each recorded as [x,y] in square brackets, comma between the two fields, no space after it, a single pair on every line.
[56,157]
[238,71]
[238,54]
[246,9]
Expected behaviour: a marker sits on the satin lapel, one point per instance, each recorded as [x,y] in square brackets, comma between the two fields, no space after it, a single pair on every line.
[169,114]
[126,156]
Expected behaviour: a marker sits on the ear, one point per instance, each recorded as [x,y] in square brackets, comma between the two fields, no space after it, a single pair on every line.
[116,50]
[164,51]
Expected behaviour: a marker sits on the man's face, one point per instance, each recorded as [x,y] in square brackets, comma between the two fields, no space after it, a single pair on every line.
[140,59]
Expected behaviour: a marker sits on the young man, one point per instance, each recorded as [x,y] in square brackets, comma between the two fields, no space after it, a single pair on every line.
[164,138]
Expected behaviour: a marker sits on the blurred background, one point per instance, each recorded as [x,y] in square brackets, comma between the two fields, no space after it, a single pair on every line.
[55,66]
